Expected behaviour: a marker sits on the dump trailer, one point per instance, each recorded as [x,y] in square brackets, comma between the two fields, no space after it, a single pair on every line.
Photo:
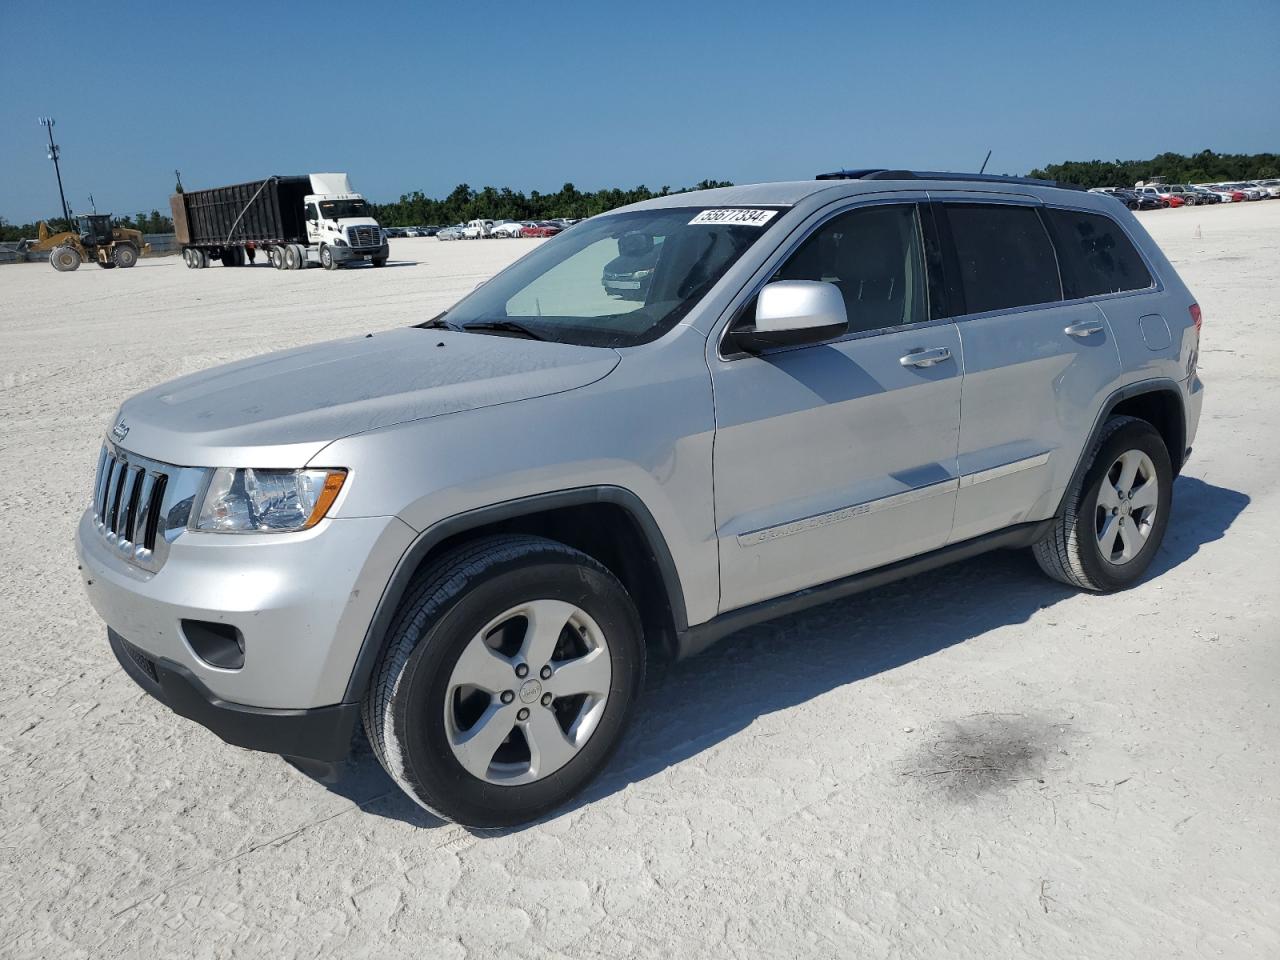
[297,221]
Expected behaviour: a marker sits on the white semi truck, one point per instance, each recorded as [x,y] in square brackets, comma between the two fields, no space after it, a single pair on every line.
[296,221]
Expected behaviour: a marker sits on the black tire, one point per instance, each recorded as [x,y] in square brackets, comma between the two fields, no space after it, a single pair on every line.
[326,258]
[1071,552]
[275,256]
[443,610]
[291,260]
[64,259]
[125,255]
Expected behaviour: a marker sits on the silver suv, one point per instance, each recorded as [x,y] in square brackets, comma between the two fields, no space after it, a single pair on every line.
[471,534]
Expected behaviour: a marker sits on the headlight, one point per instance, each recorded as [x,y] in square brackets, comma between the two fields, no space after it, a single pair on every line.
[339,242]
[267,501]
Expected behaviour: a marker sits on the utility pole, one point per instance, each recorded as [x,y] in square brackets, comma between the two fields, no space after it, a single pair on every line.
[47,123]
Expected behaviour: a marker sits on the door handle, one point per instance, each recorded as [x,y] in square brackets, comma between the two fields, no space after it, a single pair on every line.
[925,358]
[1086,328]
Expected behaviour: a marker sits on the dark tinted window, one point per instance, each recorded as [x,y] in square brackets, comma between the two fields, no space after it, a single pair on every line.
[1005,257]
[875,257]
[1095,255]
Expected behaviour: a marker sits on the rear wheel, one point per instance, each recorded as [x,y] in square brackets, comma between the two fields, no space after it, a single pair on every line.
[292,258]
[1115,518]
[124,255]
[508,679]
[64,259]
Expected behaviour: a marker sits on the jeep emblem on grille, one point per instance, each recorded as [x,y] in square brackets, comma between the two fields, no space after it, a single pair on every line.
[120,430]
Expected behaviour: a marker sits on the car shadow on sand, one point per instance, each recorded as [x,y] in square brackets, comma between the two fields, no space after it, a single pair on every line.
[842,642]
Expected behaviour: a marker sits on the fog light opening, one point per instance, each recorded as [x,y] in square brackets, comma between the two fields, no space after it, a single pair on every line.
[217,644]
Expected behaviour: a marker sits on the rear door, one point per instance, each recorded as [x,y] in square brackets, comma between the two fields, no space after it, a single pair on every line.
[836,457]
[1035,364]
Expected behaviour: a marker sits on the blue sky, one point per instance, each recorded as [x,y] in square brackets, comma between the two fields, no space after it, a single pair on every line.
[426,96]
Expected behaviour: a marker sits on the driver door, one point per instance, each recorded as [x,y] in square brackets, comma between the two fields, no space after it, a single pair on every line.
[837,457]
[313,223]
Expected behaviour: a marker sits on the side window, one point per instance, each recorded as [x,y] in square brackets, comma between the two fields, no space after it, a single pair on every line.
[313,212]
[875,256]
[1095,254]
[1004,255]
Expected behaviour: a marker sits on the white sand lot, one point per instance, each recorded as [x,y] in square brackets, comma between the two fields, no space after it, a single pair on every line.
[978,763]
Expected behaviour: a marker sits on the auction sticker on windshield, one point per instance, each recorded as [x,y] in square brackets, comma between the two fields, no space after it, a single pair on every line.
[746,218]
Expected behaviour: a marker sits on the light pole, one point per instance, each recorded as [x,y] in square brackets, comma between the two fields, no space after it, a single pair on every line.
[47,123]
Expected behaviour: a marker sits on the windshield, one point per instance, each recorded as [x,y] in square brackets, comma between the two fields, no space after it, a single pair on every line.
[342,209]
[617,280]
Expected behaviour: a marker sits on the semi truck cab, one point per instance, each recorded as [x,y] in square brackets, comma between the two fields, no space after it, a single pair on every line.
[340,223]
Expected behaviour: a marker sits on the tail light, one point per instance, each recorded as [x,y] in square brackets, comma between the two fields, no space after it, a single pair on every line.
[1195,316]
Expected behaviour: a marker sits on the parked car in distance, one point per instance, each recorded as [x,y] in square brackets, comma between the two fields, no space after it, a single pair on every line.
[1162,193]
[429,231]
[477,229]
[506,229]
[1270,187]
[1202,194]
[470,536]
[1249,191]
[542,228]
[450,233]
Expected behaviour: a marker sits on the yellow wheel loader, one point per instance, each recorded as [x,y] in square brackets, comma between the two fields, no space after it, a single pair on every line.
[96,241]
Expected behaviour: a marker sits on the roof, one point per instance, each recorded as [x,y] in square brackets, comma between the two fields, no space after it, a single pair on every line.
[844,183]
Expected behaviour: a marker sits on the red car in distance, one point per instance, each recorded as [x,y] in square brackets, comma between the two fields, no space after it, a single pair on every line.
[541,228]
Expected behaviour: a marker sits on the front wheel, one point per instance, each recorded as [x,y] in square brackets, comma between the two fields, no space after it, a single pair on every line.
[1116,516]
[326,259]
[124,255]
[508,679]
[379,261]
[64,259]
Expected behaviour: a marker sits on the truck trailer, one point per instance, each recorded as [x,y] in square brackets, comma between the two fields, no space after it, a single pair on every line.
[296,220]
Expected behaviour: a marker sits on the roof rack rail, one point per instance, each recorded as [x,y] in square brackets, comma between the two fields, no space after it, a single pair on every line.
[879,174]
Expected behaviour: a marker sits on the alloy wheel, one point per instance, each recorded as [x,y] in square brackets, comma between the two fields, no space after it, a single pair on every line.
[1128,499]
[527,692]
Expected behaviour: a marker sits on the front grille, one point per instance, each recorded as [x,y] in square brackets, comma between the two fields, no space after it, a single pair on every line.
[365,236]
[127,502]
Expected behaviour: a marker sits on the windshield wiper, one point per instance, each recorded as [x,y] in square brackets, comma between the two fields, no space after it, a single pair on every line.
[438,323]
[504,326]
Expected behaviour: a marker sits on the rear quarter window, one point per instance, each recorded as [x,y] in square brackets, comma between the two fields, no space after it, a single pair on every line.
[1004,256]
[1096,256]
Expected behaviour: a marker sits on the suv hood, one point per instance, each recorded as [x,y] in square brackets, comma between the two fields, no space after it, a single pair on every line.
[280,409]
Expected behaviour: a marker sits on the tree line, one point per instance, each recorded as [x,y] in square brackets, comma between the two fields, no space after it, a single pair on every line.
[1203,167]
[503,203]
[153,222]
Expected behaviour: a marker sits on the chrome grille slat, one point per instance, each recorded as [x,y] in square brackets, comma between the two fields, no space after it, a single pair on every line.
[124,490]
[138,530]
[155,511]
[107,465]
[139,477]
[112,501]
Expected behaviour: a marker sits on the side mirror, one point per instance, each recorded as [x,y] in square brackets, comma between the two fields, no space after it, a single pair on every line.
[794,312]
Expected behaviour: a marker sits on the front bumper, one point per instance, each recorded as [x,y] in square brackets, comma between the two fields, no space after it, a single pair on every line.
[302,603]
[350,254]
[322,733]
